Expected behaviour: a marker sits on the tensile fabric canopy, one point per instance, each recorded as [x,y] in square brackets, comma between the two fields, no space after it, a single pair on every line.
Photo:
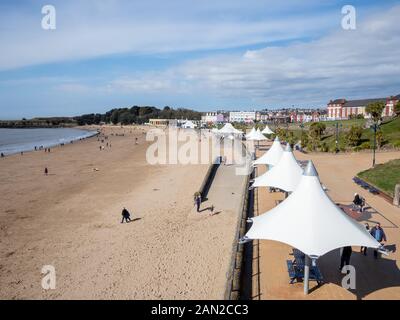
[310,221]
[285,175]
[272,156]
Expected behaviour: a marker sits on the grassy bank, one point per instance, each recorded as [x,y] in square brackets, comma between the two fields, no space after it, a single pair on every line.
[391,133]
[390,130]
[383,176]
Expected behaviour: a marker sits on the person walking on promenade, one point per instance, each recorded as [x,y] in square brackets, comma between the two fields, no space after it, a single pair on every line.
[379,235]
[358,202]
[46,171]
[345,258]
[364,249]
[126,216]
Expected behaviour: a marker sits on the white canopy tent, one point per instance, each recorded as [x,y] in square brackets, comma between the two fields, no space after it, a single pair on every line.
[267,130]
[251,133]
[272,156]
[311,222]
[188,125]
[257,136]
[229,129]
[285,175]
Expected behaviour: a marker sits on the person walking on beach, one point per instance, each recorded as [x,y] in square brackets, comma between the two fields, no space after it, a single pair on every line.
[379,235]
[46,171]
[345,258]
[364,249]
[197,201]
[2,155]
[126,216]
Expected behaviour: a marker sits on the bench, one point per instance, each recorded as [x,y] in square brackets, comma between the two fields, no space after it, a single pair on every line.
[373,190]
[296,272]
[366,185]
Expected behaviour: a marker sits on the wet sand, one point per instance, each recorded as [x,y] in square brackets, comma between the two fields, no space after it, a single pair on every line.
[71,219]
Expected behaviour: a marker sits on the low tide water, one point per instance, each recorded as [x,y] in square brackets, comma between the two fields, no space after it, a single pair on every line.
[18,140]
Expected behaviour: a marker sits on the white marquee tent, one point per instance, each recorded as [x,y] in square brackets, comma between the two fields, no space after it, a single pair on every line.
[267,130]
[188,125]
[285,175]
[311,222]
[272,156]
[229,129]
[251,133]
[257,136]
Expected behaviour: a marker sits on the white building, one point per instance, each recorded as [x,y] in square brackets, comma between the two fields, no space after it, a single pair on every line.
[242,116]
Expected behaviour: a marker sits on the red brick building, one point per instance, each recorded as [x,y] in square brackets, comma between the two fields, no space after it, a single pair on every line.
[343,109]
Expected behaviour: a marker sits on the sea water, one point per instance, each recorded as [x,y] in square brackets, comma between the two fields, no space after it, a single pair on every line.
[18,140]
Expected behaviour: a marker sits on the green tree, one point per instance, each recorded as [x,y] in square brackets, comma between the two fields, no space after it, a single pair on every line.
[304,139]
[396,109]
[291,139]
[374,109]
[379,139]
[353,136]
[126,118]
[114,117]
[281,133]
[315,132]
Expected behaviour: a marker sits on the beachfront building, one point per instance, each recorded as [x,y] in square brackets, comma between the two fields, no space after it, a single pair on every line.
[264,117]
[305,117]
[159,122]
[212,118]
[342,109]
[242,116]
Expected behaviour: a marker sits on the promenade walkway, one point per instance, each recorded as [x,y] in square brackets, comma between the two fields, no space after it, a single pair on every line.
[375,279]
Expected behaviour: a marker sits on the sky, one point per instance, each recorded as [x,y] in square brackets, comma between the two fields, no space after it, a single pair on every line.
[206,55]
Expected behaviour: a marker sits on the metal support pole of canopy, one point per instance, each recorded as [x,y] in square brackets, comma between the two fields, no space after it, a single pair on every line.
[306,274]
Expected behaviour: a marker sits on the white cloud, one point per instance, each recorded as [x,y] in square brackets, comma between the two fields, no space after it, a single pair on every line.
[354,64]
[88,29]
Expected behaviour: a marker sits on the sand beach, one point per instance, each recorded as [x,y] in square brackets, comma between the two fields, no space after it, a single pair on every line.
[71,219]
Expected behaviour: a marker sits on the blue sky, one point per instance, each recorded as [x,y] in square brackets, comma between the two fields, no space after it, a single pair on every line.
[206,55]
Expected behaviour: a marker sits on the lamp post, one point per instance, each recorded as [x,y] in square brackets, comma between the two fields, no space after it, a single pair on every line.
[375,127]
[301,135]
[337,136]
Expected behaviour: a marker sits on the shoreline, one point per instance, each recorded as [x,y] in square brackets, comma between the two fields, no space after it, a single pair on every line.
[40,145]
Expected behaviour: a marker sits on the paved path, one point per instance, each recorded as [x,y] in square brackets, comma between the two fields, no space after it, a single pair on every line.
[226,191]
[375,279]
[220,229]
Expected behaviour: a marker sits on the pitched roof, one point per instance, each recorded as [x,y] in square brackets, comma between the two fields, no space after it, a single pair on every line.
[337,101]
[362,102]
